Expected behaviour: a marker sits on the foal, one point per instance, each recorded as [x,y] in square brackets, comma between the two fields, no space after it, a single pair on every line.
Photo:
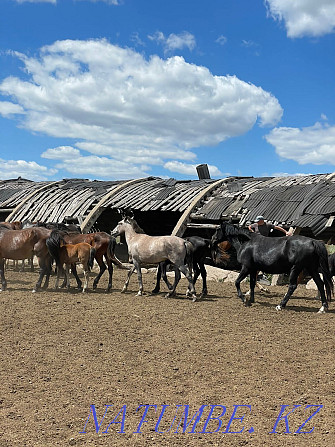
[70,254]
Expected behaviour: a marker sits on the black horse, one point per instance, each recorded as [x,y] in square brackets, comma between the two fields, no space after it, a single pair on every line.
[291,254]
[201,249]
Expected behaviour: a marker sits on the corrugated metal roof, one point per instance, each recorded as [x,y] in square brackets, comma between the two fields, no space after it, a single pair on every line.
[306,201]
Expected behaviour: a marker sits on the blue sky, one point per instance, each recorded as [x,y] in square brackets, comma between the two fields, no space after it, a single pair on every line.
[120,89]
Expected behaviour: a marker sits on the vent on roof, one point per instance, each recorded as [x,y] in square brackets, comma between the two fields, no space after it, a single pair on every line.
[203,172]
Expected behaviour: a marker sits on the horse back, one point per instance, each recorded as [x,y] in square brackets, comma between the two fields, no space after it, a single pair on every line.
[155,249]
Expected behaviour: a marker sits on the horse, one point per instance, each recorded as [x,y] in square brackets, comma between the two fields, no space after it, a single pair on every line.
[104,246]
[224,256]
[69,228]
[153,250]
[22,244]
[17,225]
[70,254]
[291,255]
[201,249]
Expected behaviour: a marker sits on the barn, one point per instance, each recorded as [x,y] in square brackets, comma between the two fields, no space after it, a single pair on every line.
[180,207]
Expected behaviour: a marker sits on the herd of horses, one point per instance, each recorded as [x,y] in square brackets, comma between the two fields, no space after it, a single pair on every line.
[66,246]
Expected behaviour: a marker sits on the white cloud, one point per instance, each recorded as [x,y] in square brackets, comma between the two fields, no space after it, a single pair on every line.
[27,169]
[36,1]
[190,169]
[222,40]
[315,144]
[304,17]
[99,167]
[175,41]
[113,102]
[8,108]
[109,2]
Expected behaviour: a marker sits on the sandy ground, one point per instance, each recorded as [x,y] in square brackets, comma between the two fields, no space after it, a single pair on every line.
[63,352]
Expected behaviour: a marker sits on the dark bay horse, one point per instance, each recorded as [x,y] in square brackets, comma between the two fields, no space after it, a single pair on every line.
[153,250]
[291,255]
[22,244]
[104,246]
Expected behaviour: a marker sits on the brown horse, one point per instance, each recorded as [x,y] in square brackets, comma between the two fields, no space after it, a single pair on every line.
[22,244]
[70,254]
[104,246]
[12,225]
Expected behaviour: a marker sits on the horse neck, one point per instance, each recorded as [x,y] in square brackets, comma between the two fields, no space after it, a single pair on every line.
[129,233]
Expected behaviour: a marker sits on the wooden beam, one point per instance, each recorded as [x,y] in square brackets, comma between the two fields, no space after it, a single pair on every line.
[204,225]
[181,225]
[97,210]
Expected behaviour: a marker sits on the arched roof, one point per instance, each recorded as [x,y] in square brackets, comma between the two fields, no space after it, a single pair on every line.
[301,201]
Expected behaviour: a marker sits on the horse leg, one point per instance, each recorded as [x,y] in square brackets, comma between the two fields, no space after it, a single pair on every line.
[2,274]
[131,271]
[75,274]
[321,291]
[44,271]
[184,269]
[253,282]
[110,271]
[196,271]
[67,276]
[243,274]
[293,282]
[48,268]
[139,277]
[164,266]
[203,273]
[102,267]
[59,270]
[161,272]
[86,273]
[158,277]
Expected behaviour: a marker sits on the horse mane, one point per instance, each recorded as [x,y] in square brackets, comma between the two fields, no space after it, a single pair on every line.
[135,225]
[233,231]
[54,242]
[3,227]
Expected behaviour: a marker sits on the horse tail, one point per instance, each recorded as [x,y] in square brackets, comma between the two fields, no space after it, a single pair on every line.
[189,247]
[111,253]
[91,258]
[324,268]
[53,243]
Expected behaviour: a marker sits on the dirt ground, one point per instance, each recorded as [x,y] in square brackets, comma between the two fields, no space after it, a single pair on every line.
[63,352]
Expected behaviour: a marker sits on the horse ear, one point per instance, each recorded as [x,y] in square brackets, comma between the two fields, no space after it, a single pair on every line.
[123,215]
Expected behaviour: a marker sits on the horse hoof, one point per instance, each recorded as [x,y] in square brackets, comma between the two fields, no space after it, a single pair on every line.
[123,290]
[322,310]
[279,307]
[34,291]
[194,299]
[247,303]
[94,286]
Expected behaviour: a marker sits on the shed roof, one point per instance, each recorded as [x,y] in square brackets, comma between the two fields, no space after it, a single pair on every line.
[294,200]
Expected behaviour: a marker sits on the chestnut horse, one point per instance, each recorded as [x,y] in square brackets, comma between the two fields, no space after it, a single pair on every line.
[70,254]
[104,246]
[22,244]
